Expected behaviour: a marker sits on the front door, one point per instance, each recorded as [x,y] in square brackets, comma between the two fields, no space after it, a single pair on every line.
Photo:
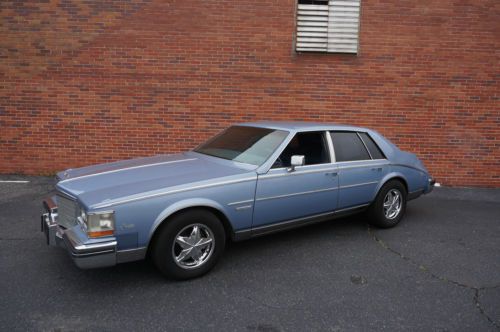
[283,195]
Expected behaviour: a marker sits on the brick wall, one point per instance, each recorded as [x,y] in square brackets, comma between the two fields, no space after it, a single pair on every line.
[95,81]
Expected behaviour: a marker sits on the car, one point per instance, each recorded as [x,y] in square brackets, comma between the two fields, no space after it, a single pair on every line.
[250,180]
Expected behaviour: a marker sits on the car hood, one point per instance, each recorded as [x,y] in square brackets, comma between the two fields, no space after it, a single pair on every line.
[106,183]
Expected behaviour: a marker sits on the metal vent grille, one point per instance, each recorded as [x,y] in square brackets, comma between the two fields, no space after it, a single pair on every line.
[66,211]
[328,26]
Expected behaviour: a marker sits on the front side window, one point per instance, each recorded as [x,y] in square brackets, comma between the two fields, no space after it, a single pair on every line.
[348,146]
[249,145]
[311,145]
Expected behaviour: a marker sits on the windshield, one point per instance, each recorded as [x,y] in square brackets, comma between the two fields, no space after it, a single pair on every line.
[249,145]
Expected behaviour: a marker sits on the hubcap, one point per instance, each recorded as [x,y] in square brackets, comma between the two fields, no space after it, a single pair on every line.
[393,202]
[193,246]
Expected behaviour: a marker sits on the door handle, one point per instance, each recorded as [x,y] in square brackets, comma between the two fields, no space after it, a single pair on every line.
[331,173]
[378,169]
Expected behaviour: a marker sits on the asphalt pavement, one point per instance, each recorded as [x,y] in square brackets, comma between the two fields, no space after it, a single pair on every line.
[439,270]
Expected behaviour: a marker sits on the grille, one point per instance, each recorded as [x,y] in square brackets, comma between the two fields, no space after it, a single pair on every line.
[66,211]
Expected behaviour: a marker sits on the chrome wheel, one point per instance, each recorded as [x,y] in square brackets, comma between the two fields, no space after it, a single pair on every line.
[193,246]
[393,202]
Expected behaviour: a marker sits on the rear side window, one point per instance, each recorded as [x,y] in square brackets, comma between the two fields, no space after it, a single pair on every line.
[348,146]
[372,146]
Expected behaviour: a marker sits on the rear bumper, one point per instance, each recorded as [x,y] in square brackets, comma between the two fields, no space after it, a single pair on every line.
[416,194]
[86,253]
[430,187]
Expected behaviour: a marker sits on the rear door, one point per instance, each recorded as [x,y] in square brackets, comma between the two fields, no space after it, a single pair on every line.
[361,166]
[309,190]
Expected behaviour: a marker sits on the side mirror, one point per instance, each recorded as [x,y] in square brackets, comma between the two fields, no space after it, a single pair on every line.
[296,161]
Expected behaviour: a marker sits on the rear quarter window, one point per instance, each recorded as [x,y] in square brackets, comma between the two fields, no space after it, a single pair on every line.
[348,146]
[375,151]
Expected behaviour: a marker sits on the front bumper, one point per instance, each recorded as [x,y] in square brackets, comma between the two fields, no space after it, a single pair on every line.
[86,253]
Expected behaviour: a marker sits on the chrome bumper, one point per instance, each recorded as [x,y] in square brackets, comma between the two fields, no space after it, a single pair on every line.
[86,253]
[432,183]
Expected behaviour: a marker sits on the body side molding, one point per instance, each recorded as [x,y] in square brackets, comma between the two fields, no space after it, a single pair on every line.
[293,223]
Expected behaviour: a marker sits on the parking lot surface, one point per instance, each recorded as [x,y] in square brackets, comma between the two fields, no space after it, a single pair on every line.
[439,270]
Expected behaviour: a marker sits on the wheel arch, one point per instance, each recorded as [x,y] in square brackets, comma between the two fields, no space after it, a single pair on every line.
[187,205]
[390,177]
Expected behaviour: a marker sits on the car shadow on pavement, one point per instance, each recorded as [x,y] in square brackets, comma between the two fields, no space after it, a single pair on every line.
[237,254]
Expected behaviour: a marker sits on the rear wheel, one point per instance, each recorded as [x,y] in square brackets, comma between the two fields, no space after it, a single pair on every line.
[189,244]
[389,206]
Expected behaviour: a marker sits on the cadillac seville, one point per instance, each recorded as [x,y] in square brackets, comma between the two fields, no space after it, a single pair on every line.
[251,179]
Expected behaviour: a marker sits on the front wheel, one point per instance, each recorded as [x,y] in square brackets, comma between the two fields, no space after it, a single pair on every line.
[189,244]
[389,206]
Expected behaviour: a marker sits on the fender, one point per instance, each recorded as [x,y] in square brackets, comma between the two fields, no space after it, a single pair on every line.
[181,205]
[390,176]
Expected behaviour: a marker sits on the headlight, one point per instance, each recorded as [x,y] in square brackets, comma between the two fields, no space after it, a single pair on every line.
[99,224]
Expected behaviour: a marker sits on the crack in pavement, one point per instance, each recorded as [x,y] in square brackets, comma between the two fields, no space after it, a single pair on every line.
[481,309]
[423,268]
[489,287]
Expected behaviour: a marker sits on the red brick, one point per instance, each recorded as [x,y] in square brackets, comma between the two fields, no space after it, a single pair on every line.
[98,81]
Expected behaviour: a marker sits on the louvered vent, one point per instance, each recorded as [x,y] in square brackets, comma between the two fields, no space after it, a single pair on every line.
[328,26]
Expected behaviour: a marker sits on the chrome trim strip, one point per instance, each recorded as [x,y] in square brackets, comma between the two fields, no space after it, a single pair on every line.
[351,208]
[339,165]
[240,202]
[295,194]
[358,184]
[359,161]
[124,251]
[78,248]
[363,165]
[244,207]
[92,247]
[203,186]
[126,168]
[92,254]
[306,166]
[293,223]
[298,171]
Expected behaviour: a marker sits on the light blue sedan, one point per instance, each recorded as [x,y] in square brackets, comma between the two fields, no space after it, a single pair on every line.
[252,179]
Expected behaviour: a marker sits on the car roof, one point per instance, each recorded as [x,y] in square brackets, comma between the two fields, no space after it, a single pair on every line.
[300,126]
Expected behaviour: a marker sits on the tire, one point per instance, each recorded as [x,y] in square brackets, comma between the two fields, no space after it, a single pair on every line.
[387,211]
[180,252]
